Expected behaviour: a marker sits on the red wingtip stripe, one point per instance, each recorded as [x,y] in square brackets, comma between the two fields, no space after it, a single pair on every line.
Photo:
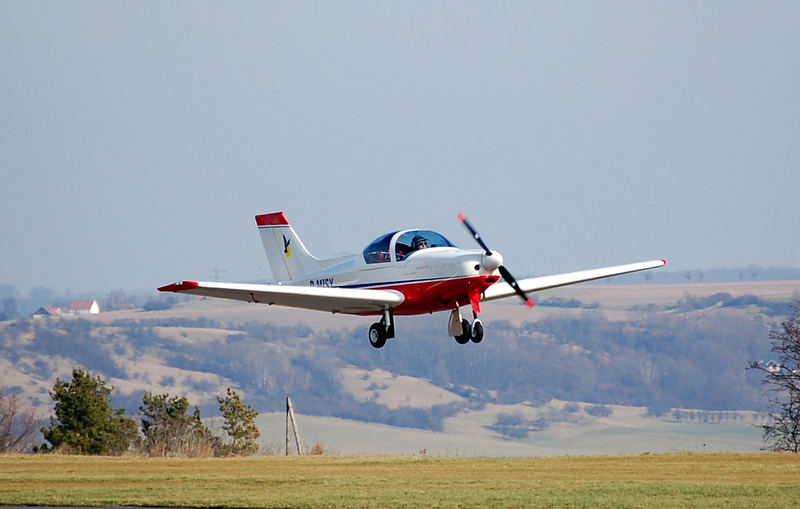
[461,217]
[180,286]
[529,303]
[273,219]
[665,261]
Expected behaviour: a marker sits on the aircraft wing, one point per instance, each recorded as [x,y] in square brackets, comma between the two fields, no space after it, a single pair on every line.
[535,284]
[335,300]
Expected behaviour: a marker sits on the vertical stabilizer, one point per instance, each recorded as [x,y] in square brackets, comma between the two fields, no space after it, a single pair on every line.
[288,257]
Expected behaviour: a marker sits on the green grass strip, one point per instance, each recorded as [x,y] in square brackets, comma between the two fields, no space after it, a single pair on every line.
[659,480]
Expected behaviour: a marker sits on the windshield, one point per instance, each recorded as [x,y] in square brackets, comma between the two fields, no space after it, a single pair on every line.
[378,250]
[414,240]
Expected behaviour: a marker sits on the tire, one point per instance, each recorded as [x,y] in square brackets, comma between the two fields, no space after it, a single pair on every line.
[477,332]
[377,336]
[466,334]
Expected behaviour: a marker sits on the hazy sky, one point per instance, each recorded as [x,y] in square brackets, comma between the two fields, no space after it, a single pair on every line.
[138,140]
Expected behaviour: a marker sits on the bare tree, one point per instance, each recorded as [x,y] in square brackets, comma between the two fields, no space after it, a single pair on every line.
[17,425]
[116,300]
[782,431]
[169,429]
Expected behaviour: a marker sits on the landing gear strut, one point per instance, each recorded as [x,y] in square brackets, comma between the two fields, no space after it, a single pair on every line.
[379,332]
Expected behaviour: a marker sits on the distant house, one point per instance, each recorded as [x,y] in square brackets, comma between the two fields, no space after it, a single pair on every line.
[76,307]
[83,307]
[46,311]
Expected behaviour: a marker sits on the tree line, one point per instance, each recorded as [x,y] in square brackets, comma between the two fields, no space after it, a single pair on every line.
[84,422]
[656,359]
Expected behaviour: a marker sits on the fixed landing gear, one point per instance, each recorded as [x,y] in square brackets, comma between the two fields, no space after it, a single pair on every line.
[379,332]
[460,328]
[463,331]
[473,332]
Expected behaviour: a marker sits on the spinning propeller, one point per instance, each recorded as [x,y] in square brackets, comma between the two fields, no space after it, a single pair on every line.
[503,271]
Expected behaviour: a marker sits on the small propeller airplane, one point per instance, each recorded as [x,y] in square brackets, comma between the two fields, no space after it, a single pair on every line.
[406,272]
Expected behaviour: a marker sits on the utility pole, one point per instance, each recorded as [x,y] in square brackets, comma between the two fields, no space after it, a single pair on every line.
[216,273]
[290,419]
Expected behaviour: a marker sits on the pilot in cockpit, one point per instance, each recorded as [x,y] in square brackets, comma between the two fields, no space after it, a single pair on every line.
[419,242]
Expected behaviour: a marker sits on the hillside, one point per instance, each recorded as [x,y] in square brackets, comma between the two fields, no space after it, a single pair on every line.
[589,369]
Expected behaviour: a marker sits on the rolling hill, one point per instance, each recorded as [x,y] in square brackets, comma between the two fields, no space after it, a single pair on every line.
[592,369]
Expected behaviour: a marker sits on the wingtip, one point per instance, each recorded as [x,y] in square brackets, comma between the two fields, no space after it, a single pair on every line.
[529,303]
[461,216]
[179,286]
[664,261]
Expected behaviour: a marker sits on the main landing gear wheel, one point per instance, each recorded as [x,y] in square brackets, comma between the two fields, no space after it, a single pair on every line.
[379,332]
[377,335]
[464,338]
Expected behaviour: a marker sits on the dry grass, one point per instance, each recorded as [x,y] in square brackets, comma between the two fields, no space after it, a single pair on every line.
[685,480]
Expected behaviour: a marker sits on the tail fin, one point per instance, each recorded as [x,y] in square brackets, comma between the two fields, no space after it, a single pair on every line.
[288,257]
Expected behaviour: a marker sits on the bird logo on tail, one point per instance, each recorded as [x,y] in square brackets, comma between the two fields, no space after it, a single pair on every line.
[287,251]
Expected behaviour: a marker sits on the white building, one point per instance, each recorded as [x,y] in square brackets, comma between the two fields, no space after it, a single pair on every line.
[83,307]
[76,307]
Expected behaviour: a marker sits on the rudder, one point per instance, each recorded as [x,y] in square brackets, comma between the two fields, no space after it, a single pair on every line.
[287,256]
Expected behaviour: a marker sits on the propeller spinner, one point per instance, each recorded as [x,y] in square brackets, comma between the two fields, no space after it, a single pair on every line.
[503,271]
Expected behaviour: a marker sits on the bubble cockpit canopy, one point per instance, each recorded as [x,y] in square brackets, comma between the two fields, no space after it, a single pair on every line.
[405,243]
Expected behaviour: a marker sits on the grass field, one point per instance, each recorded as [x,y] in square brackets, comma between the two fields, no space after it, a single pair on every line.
[657,480]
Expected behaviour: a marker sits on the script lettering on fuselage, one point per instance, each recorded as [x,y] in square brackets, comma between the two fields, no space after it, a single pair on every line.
[326,282]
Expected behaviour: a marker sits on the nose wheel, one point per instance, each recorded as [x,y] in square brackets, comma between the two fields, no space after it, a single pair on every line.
[477,331]
[470,332]
[463,331]
[464,337]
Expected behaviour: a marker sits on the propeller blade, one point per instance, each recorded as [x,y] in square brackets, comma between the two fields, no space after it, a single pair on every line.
[513,282]
[475,234]
[503,271]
